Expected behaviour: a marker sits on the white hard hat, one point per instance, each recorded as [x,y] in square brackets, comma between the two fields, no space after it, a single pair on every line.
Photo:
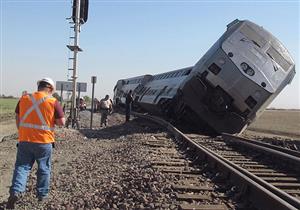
[47,80]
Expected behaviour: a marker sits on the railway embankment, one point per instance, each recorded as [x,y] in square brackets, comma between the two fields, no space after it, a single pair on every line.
[112,168]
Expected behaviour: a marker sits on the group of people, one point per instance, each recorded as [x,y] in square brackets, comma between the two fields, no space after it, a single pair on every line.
[36,117]
[106,108]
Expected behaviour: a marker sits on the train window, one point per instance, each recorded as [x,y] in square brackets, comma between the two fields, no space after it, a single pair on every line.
[187,72]
[142,90]
[169,90]
[252,35]
[251,102]
[214,68]
[279,59]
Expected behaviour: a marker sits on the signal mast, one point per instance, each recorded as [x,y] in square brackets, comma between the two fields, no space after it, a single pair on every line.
[79,17]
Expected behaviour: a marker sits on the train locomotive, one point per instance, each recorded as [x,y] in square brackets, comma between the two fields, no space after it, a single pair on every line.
[226,90]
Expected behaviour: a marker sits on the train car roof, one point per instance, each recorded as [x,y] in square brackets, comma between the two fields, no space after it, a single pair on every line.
[186,68]
[137,77]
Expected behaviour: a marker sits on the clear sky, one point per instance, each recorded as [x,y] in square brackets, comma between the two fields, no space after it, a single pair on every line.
[129,38]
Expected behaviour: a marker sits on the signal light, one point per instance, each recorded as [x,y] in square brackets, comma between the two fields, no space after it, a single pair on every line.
[84,8]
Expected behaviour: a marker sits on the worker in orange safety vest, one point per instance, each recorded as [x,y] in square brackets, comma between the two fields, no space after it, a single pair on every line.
[36,116]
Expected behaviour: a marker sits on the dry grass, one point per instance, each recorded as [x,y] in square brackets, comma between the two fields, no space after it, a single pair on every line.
[281,122]
[8,105]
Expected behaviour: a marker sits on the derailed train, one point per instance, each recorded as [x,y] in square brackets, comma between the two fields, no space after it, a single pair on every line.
[226,90]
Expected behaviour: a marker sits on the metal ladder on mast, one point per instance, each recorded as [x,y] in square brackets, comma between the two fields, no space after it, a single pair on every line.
[73,118]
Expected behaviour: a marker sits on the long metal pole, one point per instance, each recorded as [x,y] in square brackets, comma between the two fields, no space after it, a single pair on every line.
[61,94]
[76,43]
[92,107]
[78,95]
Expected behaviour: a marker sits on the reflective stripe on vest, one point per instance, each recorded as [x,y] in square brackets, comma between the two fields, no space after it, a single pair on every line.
[35,106]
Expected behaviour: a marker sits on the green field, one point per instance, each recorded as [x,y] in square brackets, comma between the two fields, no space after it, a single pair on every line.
[8,105]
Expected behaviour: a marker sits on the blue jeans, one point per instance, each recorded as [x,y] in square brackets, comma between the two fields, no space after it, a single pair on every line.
[27,154]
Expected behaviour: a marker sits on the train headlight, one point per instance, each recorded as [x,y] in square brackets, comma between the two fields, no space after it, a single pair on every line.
[247,69]
[250,72]
[244,66]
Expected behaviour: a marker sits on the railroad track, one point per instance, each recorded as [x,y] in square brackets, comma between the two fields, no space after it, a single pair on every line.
[191,189]
[265,175]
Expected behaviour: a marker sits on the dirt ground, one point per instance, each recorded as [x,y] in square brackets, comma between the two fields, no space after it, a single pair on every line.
[76,148]
[91,167]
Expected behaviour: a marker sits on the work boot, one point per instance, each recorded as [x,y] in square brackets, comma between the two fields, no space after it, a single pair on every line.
[42,199]
[12,199]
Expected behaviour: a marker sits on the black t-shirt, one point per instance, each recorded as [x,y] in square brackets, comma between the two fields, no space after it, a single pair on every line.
[129,99]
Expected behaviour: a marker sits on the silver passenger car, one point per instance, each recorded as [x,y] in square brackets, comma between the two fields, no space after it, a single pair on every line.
[123,86]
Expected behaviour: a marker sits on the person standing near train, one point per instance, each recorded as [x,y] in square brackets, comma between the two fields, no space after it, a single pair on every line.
[105,110]
[36,116]
[128,104]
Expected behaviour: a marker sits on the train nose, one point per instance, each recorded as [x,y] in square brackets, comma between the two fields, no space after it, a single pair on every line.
[220,101]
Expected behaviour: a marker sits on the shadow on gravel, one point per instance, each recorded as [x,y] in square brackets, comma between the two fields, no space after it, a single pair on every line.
[3,205]
[134,126]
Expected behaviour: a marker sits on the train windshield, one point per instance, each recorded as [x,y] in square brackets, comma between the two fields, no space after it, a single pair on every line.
[253,36]
[279,59]
[260,41]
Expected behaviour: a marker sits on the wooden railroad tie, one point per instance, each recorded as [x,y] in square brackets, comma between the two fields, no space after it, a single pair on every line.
[202,207]
[196,197]
[192,188]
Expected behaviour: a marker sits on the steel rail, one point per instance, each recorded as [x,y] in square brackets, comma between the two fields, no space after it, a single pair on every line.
[257,193]
[285,196]
[293,161]
[281,149]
